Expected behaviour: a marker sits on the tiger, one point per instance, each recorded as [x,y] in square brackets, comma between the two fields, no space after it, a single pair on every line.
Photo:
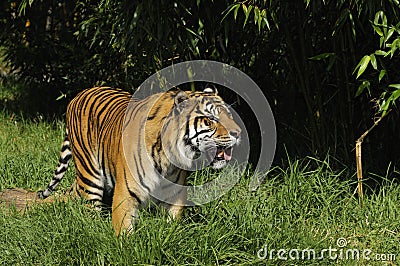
[121,147]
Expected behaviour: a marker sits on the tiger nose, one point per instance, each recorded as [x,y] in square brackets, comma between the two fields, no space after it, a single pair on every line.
[235,133]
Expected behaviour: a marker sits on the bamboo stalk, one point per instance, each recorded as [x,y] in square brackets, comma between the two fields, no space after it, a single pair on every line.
[359,159]
[359,169]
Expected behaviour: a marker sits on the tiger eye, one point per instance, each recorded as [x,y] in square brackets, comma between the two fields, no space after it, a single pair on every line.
[207,122]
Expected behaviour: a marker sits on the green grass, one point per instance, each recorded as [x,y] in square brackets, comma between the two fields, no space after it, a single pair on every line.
[307,205]
[29,151]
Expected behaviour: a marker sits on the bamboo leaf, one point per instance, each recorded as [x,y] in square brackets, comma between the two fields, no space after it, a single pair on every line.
[136,14]
[261,22]
[235,11]
[256,14]
[233,8]
[373,62]
[266,22]
[362,65]
[193,33]
[226,30]
[364,85]
[382,74]
[389,34]
[386,103]
[384,107]
[396,94]
[244,7]
[380,52]
[340,21]
[378,30]
[332,61]
[62,96]
[258,18]
[396,86]
[322,56]
[380,18]
[353,26]
[247,11]
[394,46]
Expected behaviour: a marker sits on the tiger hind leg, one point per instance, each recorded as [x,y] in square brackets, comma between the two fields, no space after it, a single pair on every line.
[63,162]
[92,200]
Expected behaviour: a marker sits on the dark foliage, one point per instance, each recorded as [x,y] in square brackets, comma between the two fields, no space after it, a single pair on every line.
[301,53]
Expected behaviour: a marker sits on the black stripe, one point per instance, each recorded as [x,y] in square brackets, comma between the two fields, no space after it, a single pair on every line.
[133,194]
[90,183]
[186,136]
[154,114]
[88,168]
[201,132]
[140,175]
[89,193]
[80,188]
[66,159]
[64,148]
[142,183]
[155,153]
[140,169]
[94,193]
[177,173]
[62,170]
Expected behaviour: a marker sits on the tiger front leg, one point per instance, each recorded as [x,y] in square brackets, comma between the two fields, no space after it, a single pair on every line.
[124,209]
[175,208]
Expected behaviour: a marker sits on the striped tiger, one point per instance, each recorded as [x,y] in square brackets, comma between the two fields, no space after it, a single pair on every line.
[121,147]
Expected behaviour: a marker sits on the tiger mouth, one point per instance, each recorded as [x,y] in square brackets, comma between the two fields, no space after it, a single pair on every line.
[223,153]
[214,154]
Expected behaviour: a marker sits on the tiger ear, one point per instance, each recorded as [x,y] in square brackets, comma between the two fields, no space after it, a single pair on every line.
[179,100]
[210,88]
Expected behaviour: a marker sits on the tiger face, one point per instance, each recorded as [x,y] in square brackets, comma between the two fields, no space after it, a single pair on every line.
[208,131]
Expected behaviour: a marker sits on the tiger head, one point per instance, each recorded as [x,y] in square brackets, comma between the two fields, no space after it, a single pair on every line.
[203,129]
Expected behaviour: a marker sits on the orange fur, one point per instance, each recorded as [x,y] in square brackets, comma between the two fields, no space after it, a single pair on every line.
[118,161]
